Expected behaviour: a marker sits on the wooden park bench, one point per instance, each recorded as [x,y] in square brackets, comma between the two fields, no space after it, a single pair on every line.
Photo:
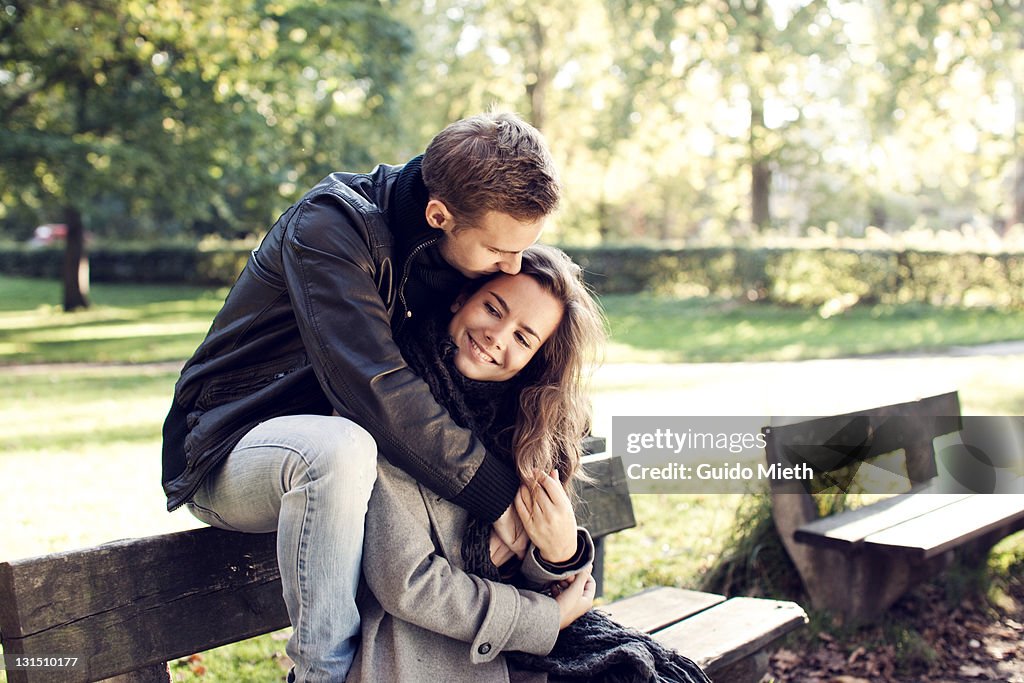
[125,609]
[858,562]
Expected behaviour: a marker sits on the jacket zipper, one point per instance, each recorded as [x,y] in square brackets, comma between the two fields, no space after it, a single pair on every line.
[405,275]
[207,467]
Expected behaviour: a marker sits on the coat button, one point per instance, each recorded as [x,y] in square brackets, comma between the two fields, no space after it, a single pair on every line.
[484,648]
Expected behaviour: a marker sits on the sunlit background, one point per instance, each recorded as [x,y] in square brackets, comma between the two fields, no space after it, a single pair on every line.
[698,121]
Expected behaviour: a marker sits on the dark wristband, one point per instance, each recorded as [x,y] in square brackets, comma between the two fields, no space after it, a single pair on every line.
[577,561]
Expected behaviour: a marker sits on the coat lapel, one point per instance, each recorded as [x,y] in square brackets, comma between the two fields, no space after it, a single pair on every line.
[448,523]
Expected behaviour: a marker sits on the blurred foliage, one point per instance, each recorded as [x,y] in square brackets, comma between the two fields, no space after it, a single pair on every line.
[156,118]
[697,121]
[832,279]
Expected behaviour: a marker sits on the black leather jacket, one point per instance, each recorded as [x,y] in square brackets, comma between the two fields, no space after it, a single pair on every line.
[307,329]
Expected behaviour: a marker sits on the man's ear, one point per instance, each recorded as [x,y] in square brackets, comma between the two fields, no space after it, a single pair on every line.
[438,216]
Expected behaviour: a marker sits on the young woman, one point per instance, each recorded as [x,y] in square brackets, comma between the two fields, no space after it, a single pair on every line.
[510,365]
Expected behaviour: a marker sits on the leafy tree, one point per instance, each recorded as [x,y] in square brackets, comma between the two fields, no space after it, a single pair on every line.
[183,113]
[549,62]
[943,83]
[739,74]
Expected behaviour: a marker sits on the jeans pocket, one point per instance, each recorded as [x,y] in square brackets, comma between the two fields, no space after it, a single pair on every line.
[208,516]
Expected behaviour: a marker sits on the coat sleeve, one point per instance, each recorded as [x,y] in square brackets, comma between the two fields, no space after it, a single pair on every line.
[346,330]
[413,580]
[538,573]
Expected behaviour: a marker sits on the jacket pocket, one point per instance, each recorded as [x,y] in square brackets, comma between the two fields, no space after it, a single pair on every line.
[238,384]
[234,402]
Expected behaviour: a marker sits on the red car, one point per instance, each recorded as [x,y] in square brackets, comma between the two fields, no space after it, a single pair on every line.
[49,234]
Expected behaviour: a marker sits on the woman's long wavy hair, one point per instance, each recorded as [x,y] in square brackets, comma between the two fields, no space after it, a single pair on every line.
[554,405]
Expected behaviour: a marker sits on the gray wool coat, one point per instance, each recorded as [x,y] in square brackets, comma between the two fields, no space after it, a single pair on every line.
[423,617]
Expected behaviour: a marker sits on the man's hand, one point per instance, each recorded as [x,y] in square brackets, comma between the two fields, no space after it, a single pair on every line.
[509,529]
[544,507]
[576,598]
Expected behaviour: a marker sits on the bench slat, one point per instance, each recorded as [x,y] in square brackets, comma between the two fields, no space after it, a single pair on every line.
[593,444]
[952,525]
[127,604]
[605,506]
[732,630]
[851,527]
[656,608]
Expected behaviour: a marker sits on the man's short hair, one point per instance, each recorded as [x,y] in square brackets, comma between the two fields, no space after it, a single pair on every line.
[491,162]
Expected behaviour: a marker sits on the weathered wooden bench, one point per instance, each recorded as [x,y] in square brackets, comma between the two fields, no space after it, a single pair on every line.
[728,637]
[126,608]
[858,562]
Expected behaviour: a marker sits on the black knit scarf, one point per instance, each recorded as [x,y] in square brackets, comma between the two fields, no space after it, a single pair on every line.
[592,648]
[433,283]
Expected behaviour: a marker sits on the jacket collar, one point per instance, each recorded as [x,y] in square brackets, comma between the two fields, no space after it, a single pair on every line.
[407,219]
[434,282]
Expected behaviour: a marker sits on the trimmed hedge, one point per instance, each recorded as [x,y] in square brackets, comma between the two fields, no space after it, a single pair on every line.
[833,277]
[178,263]
[806,277]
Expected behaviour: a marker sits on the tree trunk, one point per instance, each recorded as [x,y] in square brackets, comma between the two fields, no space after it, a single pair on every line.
[760,189]
[537,90]
[1018,181]
[76,262]
[760,171]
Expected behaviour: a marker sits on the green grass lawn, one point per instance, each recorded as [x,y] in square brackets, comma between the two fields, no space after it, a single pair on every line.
[126,324]
[151,323]
[82,443]
[649,328]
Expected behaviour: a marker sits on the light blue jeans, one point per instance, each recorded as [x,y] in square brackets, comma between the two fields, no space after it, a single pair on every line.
[309,478]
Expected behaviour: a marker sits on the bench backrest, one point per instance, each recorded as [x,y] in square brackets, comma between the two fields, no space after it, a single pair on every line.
[841,443]
[138,603]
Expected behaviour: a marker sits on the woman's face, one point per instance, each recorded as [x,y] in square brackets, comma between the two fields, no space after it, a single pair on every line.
[502,326]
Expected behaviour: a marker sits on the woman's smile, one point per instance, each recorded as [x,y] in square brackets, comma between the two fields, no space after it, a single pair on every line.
[479,352]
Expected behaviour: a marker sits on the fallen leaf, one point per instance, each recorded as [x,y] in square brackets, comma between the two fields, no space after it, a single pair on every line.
[786,659]
[975,671]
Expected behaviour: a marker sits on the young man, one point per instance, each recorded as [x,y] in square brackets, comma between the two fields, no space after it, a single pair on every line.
[278,417]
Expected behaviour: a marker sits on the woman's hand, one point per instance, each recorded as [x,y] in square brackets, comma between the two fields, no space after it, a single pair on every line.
[577,598]
[500,552]
[509,530]
[546,514]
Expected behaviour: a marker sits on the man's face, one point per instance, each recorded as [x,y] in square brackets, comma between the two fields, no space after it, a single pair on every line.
[502,326]
[495,243]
